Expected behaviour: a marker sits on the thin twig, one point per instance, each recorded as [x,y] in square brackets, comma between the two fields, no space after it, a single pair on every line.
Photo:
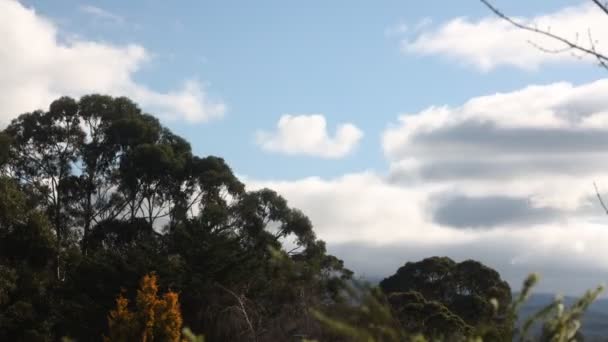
[293,250]
[242,309]
[602,59]
[547,50]
[592,44]
[599,197]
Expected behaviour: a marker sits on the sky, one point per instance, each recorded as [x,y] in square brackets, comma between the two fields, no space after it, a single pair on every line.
[402,129]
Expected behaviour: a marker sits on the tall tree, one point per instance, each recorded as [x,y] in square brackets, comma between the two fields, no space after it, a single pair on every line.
[44,151]
[124,197]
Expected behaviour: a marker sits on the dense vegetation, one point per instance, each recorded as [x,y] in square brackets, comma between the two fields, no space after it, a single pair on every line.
[96,194]
[464,299]
[102,210]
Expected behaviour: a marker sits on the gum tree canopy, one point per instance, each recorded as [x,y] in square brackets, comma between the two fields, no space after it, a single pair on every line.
[438,293]
[105,194]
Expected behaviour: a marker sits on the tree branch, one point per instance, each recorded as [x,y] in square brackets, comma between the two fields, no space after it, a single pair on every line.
[602,6]
[570,45]
[294,250]
[599,197]
[242,308]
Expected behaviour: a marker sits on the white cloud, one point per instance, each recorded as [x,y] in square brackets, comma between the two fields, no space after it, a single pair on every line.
[37,68]
[358,207]
[376,226]
[506,179]
[492,42]
[307,135]
[546,143]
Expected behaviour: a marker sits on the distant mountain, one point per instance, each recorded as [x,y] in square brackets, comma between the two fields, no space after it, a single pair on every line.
[595,321]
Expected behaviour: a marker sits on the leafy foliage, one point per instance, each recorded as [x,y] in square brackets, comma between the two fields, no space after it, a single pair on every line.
[96,194]
[363,315]
[26,246]
[438,295]
[370,317]
[154,318]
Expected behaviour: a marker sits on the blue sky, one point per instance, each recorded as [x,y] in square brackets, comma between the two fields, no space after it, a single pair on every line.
[403,129]
[268,58]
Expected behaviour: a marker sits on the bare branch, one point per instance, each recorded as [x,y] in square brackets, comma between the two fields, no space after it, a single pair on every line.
[599,197]
[570,45]
[592,42]
[242,308]
[547,50]
[602,6]
[294,250]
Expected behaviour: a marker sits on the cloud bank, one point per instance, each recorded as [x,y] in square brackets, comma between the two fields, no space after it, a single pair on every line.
[506,179]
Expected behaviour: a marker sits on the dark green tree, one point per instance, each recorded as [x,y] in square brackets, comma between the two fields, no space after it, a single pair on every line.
[27,247]
[44,148]
[444,288]
[431,319]
[122,196]
[5,144]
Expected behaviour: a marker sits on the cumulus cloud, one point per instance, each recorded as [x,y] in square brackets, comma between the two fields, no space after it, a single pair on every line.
[548,134]
[506,179]
[307,135]
[38,67]
[490,42]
